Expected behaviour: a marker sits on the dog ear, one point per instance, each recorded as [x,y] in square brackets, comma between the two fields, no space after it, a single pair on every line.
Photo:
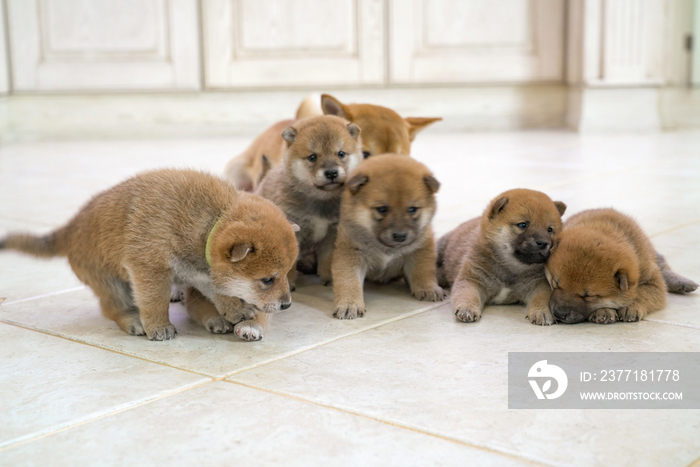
[432,183]
[332,106]
[354,130]
[416,124]
[357,182]
[551,278]
[295,227]
[289,134]
[498,206]
[561,207]
[622,280]
[239,251]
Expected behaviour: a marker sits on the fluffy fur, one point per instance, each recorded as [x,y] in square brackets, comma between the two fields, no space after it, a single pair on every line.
[385,232]
[384,131]
[499,258]
[132,242]
[606,270]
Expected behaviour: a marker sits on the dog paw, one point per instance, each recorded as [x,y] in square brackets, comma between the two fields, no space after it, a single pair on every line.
[177,293]
[435,294]
[135,328]
[603,316]
[349,311]
[541,317]
[680,285]
[248,331]
[163,333]
[326,280]
[218,325]
[630,314]
[466,315]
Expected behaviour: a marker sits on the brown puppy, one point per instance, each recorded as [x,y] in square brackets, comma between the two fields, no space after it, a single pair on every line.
[385,232]
[606,269]
[308,186]
[384,131]
[499,258]
[129,244]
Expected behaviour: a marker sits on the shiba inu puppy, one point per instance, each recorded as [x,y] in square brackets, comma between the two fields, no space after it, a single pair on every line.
[231,250]
[499,258]
[308,186]
[385,232]
[384,131]
[606,269]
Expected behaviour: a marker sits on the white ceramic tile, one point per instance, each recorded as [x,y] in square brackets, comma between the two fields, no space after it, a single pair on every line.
[227,424]
[47,383]
[435,374]
[307,323]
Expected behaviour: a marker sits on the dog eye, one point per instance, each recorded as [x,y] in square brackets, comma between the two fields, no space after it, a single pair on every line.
[382,210]
[312,158]
[268,280]
[550,230]
[522,225]
[341,154]
[366,154]
[412,210]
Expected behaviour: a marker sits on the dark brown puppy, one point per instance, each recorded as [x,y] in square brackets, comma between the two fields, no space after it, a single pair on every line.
[499,258]
[606,269]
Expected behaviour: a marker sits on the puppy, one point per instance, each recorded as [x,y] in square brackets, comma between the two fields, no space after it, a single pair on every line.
[384,131]
[231,251]
[499,259]
[385,232]
[308,186]
[607,270]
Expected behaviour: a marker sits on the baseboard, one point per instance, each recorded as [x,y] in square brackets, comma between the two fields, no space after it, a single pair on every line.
[475,108]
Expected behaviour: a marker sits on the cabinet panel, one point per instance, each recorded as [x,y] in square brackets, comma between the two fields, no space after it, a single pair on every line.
[104,44]
[264,43]
[467,41]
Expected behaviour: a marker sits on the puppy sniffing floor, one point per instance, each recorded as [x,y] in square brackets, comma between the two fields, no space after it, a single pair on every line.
[230,250]
[499,258]
[384,131]
[385,232]
[606,270]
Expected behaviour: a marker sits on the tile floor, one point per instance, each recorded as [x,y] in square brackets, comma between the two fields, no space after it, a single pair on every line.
[405,385]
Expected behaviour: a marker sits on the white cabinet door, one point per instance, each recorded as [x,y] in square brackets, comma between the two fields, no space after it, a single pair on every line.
[104,44]
[265,43]
[470,41]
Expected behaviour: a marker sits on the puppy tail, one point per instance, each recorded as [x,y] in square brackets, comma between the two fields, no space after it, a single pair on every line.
[45,246]
[310,107]
[675,283]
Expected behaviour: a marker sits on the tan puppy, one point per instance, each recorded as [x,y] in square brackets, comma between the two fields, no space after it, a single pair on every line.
[385,232]
[130,243]
[383,129]
[308,186]
[607,270]
[499,258]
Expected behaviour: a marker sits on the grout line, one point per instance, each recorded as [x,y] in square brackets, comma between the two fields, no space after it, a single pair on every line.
[394,424]
[672,323]
[50,294]
[322,343]
[664,232]
[52,430]
[108,349]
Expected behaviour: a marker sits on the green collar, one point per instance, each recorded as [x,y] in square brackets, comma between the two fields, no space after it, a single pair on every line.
[207,247]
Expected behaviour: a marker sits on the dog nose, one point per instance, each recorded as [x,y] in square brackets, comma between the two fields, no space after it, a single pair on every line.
[399,236]
[284,306]
[331,174]
[560,314]
[543,244]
